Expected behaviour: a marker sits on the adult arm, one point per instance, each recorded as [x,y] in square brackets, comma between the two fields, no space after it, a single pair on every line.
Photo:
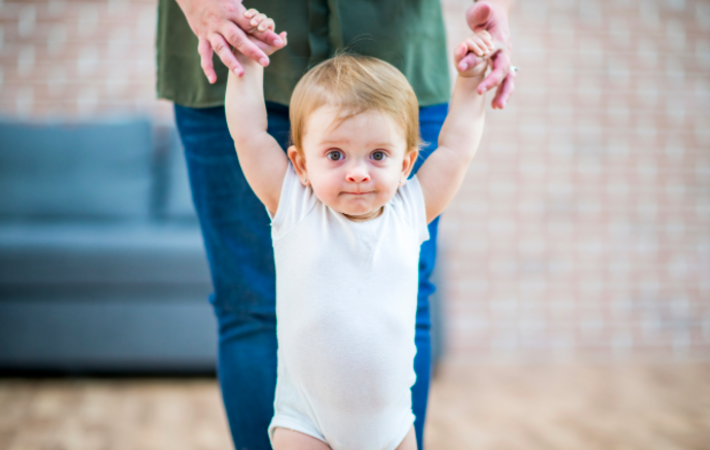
[220,25]
[492,16]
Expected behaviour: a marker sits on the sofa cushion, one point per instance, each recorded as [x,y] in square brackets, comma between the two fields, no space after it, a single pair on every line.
[178,203]
[99,169]
[40,254]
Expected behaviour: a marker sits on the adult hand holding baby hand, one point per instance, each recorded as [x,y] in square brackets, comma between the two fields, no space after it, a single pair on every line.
[222,24]
[479,45]
[492,16]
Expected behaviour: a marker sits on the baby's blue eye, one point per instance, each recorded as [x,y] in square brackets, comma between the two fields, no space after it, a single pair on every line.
[378,156]
[335,156]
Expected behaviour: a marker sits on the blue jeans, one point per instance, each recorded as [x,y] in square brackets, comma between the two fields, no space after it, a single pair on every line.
[237,237]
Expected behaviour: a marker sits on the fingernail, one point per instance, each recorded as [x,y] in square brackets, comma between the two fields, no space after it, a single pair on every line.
[264,61]
[254,22]
[278,41]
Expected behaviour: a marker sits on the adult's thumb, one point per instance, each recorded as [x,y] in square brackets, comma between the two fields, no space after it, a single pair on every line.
[477,15]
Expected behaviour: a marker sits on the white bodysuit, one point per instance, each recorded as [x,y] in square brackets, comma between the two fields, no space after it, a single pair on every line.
[346,301]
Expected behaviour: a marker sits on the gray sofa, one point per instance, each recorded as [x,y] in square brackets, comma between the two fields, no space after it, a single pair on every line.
[102,266]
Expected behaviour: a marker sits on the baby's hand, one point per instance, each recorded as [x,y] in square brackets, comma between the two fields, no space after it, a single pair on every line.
[259,23]
[480,44]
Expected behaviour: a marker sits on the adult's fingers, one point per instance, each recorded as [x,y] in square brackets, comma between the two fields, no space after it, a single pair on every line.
[504,91]
[477,15]
[220,46]
[205,51]
[235,36]
[501,67]
[468,61]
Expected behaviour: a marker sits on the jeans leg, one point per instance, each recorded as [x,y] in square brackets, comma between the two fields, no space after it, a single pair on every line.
[431,118]
[237,237]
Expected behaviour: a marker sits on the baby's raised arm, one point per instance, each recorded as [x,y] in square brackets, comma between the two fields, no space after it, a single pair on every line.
[443,172]
[261,158]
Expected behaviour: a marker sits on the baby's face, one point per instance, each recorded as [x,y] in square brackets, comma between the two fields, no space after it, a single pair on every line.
[354,167]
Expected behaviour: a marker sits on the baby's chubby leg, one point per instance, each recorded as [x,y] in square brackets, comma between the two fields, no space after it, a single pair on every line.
[409,442]
[285,439]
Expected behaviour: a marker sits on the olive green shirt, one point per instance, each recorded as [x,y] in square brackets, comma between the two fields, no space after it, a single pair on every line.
[408,34]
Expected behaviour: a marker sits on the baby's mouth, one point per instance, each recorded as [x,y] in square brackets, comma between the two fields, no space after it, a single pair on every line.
[358,193]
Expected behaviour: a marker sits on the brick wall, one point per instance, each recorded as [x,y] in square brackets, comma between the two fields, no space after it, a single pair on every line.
[583,227]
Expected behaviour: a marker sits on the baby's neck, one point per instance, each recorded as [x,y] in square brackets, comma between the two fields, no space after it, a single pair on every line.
[367,216]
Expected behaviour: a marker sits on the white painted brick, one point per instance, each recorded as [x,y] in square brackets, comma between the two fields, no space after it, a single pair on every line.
[27,20]
[678,268]
[618,147]
[619,265]
[702,15]
[504,343]
[618,111]
[88,19]
[675,228]
[587,207]
[647,52]
[532,286]
[88,61]
[87,101]
[649,14]
[24,102]
[651,324]
[648,287]
[26,60]
[557,267]
[57,39]
[592,286]
[676,5]
[56,7]
[620,30]
[622,343]
[681,341]
[591,324]
[674,149]
[675,34]
[503,267]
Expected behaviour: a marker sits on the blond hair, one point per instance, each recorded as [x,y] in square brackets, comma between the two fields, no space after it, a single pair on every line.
[354,84]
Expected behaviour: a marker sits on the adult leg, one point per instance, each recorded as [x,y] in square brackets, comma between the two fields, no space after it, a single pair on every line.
[431,118]
[236,233]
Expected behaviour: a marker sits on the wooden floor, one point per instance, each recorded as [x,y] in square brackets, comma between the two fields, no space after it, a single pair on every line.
[570,407]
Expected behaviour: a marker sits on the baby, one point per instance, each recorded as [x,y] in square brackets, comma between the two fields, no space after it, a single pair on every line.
[347,225]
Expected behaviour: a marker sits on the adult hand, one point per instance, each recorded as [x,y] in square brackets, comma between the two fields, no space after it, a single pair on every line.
[493,17]
[220,25]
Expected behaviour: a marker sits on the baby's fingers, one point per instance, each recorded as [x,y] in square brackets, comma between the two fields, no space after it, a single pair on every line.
[267,24]
[261,26]
[486,38]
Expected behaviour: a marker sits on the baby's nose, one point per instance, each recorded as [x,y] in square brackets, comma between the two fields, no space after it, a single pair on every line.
[358,175]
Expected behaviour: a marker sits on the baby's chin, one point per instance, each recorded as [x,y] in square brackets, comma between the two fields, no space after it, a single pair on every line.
[355,211]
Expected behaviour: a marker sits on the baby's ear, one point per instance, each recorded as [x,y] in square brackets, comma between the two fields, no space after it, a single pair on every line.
[298,162]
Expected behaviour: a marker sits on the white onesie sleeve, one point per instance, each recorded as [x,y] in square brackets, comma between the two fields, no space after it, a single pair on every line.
[295,202]
[410,198]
